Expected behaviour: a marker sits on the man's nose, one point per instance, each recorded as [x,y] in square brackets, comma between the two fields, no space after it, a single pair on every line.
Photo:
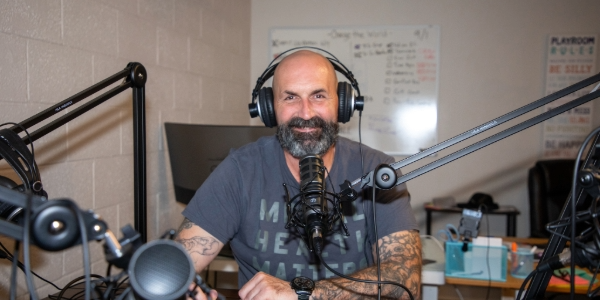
[306,111]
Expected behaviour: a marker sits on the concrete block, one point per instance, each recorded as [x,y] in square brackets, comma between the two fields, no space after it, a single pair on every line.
[137,39]
[30,18]
[73,180]
[232,34]
[113,181]
[202,57]
[187,17]
[212,94]
[95,134]
[176,116]
[239,65]
[212,28]
[157,180]
[126,215]
[153,128]
[159,88]
[90,25]
[236,98]
[52,147]
[57,72]
[19,111]
[172,49]
[157,11]
[187,91]
[13,57]
[128,6]
[222,69]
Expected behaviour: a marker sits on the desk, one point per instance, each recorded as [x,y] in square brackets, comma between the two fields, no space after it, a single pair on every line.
[510,211]
[512,284]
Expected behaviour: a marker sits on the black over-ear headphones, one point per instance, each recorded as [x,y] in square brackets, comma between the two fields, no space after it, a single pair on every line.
[18,156]
[262,97]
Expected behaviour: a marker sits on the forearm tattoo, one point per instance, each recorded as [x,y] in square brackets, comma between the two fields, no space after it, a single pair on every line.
[197,244]
[400,255]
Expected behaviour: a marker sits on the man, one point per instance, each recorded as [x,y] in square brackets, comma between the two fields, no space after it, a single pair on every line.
[243,202]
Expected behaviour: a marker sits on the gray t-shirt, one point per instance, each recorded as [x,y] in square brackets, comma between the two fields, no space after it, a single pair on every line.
[243,202]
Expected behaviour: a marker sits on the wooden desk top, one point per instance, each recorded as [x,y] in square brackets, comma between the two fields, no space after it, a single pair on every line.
[502,210]
[514,284]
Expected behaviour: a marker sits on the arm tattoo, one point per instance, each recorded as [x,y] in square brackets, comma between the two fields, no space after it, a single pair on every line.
[197,244]
[186,224]
[400,255]
[200,245]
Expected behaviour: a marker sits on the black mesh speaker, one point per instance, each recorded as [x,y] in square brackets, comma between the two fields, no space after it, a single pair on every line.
[161,269]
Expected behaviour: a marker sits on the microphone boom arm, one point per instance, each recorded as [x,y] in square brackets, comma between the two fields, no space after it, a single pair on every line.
[367,179]
[134,76]
[556,242]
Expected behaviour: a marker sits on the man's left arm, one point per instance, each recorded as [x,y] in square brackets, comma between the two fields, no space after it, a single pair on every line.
[400,255]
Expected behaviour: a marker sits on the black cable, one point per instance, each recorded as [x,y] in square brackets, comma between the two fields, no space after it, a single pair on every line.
[524,284]
[86,251]
[13,273]
[26,258]
[22,267]
[125,293]
[108,269]
[362,171]
[377,258]
[72,283]
[487,254]
[362,162]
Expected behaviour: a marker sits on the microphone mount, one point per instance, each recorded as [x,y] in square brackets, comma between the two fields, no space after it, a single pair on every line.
[296,206]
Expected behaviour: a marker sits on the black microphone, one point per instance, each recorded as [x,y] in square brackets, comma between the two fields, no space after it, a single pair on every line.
[161,269]
[312,189]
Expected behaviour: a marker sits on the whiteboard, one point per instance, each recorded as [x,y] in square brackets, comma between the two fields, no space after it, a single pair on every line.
[397,70]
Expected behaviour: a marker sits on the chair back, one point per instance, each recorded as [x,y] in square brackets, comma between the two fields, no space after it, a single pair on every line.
[549,184]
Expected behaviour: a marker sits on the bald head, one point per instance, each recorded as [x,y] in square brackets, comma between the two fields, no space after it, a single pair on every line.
[303,62]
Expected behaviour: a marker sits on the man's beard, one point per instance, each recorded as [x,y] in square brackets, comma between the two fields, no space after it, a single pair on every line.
[300,144]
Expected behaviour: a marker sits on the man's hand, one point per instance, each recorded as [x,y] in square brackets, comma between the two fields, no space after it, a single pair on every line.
[266,287]
[199,294]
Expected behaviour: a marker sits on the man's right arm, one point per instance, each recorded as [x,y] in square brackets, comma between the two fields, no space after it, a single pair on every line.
[201,245]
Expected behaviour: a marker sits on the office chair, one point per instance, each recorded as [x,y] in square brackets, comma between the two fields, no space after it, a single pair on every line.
[549,184]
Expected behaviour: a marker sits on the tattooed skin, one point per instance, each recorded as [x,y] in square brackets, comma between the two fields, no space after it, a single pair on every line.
[186,224]
[400,255]
[198,244]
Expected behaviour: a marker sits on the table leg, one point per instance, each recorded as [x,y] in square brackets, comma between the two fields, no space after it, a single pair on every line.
[428,222]
[511,225]
[429,292]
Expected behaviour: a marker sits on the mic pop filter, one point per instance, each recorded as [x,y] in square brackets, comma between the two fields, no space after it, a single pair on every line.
[161,269]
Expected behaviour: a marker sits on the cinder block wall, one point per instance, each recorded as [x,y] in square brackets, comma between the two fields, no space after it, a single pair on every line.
[196,53]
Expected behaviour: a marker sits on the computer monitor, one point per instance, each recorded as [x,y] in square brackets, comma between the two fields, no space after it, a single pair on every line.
[195,151]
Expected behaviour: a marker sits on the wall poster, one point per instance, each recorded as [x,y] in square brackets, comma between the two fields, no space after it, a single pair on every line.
[570,59]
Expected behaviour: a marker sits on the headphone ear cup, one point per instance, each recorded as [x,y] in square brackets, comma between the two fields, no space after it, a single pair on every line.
[265,102]
[345,98]
[7,209]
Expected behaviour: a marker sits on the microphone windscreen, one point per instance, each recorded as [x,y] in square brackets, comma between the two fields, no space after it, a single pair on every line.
[161,269]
